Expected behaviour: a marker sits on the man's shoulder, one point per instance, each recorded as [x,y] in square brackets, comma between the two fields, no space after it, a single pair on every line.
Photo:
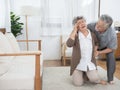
[111,32]
[91,26]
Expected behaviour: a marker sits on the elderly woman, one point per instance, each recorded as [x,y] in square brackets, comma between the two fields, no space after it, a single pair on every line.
[107,42]
[84,45]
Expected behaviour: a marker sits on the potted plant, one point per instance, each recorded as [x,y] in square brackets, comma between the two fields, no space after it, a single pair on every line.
[16,25]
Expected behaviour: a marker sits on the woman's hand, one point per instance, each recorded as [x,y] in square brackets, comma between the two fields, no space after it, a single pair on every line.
[75,28]
[74,32]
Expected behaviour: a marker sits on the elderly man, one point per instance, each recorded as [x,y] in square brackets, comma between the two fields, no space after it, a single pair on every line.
[107,42]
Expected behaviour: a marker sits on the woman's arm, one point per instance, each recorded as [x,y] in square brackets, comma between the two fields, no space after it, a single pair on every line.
[74,32]
[71,40]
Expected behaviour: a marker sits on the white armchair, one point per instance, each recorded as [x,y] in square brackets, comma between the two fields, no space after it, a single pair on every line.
[66,52]
[19,69]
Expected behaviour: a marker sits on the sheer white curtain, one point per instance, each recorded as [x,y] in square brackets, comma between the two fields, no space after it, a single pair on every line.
[51,17]
[54,17]
[5,14]
[57,15]
[33,20]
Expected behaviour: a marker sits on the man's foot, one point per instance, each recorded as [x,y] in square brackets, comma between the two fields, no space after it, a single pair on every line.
[103,82]
[111,82]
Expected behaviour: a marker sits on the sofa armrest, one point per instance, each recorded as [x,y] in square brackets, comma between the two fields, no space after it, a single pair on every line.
[3,30]
[38,81]
[38,41]
[22,53]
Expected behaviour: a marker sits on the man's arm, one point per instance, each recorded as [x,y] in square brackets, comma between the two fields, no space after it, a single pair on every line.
[91,27]
[107,50]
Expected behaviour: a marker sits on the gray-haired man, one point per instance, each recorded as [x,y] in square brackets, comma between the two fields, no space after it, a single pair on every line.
[107,42]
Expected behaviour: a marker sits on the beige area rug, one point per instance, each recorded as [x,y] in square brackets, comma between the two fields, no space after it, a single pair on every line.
[58,78]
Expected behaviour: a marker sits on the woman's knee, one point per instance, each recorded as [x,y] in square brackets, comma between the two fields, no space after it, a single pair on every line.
[94,80]
[80,83]
[77,78]
[93,76]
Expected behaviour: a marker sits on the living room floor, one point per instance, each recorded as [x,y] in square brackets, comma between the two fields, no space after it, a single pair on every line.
[102,63]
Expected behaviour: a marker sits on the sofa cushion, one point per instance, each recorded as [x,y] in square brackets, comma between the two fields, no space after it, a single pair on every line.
[5,60]
[4,66]
[13,42]
[4,46]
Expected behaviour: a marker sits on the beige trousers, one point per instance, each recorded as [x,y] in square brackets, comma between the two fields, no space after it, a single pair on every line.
[78,80]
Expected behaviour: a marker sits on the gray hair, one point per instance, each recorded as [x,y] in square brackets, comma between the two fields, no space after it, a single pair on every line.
[76,19]
[107,19]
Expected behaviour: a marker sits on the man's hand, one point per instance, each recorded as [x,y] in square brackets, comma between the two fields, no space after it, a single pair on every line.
[96,53]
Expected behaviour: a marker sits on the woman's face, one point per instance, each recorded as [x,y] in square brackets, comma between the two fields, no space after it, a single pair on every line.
[82,24]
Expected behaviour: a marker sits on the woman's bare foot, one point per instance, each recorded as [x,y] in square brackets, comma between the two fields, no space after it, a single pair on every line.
[103,82]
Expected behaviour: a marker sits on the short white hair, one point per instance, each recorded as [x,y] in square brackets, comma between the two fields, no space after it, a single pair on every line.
[107,19]
[76,19]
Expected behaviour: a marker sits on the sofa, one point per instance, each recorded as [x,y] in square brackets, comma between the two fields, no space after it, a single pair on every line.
[19,70]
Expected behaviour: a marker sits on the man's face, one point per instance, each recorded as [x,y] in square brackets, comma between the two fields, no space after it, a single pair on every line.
[100,26]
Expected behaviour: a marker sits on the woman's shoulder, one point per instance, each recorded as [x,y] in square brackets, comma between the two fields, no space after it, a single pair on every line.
[90,31]
[93,34]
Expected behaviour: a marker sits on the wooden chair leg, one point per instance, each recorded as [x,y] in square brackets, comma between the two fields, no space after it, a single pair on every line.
[61,59]
[64,61]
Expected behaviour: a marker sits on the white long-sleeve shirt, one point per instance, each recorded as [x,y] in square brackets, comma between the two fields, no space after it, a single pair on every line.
[86,53]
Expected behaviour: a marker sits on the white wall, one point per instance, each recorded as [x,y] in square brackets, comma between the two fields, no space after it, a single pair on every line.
[51,47]
[111,7]
[5,14]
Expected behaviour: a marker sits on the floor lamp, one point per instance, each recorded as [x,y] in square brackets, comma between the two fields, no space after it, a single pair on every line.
[26,19]
[27,11]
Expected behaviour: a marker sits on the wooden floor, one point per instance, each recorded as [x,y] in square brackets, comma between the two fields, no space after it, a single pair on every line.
[102,63]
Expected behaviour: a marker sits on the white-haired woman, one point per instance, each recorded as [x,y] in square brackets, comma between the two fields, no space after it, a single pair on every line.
[83,63]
